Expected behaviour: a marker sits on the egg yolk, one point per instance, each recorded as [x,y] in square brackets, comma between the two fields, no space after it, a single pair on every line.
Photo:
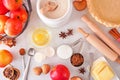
[40,37]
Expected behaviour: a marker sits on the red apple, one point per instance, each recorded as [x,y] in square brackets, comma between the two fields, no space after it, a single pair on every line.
[20,14]
[12,4]
[5,58]
[13,27]
[60,72]
[3,20]
[3,9]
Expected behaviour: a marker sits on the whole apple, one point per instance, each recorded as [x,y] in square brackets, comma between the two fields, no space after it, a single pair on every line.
[3,9]
[12,4]
[20,14]
[13,27]
[3,20]
[5,58]
[60,72]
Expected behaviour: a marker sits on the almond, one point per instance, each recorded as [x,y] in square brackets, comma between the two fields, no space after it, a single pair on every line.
[37,70]
[45,68]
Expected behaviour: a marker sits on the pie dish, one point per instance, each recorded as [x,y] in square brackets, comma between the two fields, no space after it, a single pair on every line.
[106,12]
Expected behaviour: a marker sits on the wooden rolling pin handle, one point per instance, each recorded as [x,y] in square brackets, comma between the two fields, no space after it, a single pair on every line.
[83,32]
[90,23]
[118,60]
[98,44]
[100,34]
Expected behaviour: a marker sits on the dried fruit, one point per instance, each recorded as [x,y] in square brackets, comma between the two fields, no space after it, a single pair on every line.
[22,51]
[37,70]
[80,5]
[75,78]
[45,68]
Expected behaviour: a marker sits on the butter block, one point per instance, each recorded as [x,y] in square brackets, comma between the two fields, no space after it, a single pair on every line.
[102,71]
[106,74]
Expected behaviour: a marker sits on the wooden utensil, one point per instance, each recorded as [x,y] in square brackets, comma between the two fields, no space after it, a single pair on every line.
[98,44]
[100,34]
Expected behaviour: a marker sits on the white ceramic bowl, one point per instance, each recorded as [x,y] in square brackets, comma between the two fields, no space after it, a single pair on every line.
[58,22]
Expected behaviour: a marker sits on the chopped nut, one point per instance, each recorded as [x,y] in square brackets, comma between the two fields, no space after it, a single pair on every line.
[11,73]
[16,74]
[45,68]
[9,41]
[8,72]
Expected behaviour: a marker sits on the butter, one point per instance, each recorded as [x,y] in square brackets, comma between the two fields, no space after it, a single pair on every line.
[106,74]
[102,71]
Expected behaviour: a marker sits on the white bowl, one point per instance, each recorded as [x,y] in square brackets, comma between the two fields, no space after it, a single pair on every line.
[58,22]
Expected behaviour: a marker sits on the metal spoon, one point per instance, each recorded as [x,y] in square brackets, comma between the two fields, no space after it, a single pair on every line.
[31,52]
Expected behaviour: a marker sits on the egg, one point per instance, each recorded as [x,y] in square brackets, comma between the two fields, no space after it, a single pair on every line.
[40,37]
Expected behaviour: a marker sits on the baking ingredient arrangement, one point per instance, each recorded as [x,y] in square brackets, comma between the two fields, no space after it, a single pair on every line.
[14,18]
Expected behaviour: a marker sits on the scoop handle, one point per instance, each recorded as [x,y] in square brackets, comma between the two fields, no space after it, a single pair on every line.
[25,74]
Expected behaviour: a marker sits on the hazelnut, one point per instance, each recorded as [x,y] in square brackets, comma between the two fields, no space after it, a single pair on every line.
[75,78]
[37,70]
[45,68]
[22,51]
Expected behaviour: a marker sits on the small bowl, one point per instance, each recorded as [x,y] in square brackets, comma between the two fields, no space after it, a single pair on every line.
[57,22]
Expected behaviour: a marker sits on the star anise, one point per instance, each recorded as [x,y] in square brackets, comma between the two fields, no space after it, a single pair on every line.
[70,32]
[63,35]
[82,70]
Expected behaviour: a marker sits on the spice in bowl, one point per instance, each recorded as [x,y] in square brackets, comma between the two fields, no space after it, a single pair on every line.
[77,59]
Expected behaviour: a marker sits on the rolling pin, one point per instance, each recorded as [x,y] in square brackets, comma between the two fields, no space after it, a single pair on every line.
[101,34]
[99,45]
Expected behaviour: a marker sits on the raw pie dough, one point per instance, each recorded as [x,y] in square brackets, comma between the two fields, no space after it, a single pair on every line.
[106,12]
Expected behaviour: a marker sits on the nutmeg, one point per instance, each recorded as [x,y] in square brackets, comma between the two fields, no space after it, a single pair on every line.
[75,78]
[37,70]
[45,68]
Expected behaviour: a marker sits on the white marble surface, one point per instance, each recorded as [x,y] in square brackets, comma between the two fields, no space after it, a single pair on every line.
[74,22]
